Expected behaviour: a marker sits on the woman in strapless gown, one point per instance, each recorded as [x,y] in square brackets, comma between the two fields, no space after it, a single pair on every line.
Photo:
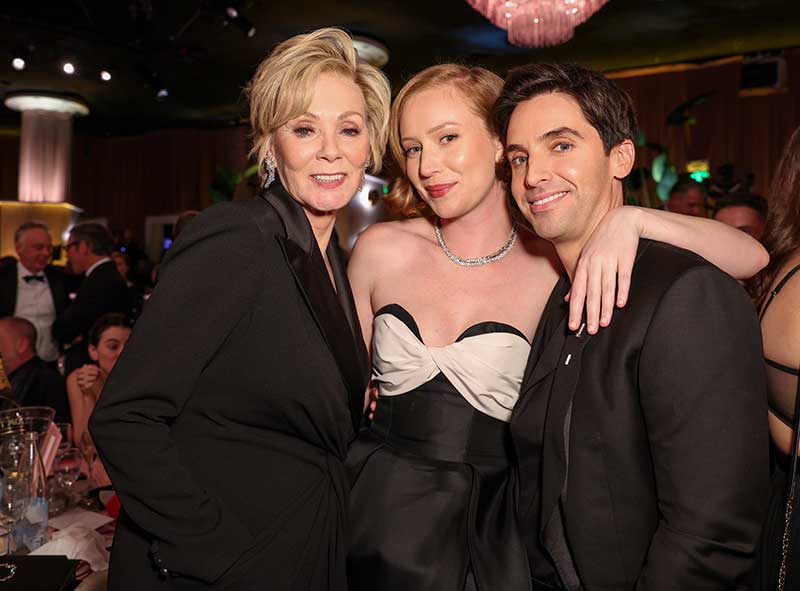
[450,303]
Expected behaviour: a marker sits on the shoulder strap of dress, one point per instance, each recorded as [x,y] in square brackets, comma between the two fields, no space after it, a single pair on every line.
[778,287]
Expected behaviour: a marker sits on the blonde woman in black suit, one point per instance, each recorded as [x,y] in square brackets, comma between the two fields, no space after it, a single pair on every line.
[225,423]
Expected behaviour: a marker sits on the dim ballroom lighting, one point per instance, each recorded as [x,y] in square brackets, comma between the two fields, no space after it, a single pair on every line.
[27,101]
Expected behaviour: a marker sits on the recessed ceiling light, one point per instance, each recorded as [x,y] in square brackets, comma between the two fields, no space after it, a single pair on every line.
[162,93]
[68,68]
[105,75]
[18,63]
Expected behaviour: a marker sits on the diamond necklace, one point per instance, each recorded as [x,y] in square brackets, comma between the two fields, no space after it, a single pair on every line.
[476,262]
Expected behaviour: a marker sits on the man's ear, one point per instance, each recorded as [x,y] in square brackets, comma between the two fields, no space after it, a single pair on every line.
[623,155]
[23,345]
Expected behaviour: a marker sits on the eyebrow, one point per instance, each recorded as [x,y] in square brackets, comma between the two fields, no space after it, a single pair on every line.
[560,131]
[546,136]
[433,129]
[342,116]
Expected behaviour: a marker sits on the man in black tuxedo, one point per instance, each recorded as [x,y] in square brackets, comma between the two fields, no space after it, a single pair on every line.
[33,382]
[32,288]
[642,448]
[89,251]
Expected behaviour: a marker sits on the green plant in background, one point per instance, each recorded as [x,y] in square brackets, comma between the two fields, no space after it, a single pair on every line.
[227,180]
[662,170]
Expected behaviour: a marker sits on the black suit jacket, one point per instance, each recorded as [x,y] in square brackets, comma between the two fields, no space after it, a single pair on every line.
[35,383]
[102,292]
[8,288]
[652,469]
[226,420]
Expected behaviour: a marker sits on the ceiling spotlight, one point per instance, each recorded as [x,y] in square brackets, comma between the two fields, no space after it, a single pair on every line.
[68,68]
[105,75]
[162,93]
[18,64]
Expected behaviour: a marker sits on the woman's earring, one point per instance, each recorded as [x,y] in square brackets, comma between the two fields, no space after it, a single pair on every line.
[363,176]
[269,169]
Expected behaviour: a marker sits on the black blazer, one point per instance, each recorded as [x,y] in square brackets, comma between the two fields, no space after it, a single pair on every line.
[644,449]
[35,383]
[101,292]
[8,288]
[226,420]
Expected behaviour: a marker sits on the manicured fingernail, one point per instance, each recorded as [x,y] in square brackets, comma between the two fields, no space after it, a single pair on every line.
[592,327]
[573,326]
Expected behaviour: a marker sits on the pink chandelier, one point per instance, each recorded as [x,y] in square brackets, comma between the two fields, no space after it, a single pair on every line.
[537,23]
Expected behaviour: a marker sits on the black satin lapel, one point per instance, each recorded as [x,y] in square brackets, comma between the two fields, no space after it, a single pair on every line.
[347,303]
[555,454]
[549,337]
[323,303]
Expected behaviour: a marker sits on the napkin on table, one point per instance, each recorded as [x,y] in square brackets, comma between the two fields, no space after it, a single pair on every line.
[77,542]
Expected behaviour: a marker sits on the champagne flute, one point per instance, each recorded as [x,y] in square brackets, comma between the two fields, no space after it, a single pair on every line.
[89,453]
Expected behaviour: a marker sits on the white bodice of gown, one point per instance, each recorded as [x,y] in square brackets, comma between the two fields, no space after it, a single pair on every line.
[485,368]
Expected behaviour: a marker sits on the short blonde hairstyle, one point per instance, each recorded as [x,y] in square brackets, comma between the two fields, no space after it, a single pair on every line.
[479,87]
[283,84]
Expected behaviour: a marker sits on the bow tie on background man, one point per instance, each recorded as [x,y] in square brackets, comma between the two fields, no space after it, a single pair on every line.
[29,278]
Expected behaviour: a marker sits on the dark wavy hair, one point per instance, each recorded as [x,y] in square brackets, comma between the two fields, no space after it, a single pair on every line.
[606,106]
[781,235]
[105,322]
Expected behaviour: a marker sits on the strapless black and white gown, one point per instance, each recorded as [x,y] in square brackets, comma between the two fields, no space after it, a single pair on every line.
[433,477]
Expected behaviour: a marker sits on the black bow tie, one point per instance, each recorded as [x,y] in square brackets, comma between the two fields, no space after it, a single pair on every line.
[29,278]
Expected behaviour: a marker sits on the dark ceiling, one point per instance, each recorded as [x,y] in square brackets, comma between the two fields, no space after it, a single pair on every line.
[185,46]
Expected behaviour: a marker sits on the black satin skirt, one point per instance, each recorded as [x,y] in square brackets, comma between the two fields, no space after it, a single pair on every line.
[433,498]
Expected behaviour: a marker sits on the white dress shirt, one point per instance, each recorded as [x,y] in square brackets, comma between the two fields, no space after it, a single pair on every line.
[97,264]
[35,304]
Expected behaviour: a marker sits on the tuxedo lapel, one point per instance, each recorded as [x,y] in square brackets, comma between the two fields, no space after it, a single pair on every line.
[56,282]
[549,337]
[555,454]
[332,311]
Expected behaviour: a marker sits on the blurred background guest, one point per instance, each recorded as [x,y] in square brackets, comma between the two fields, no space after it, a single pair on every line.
[32,288]
[776,290]
[135,291]
[688,197]
[745,211]
[102,291]
[107,339]
[33,382]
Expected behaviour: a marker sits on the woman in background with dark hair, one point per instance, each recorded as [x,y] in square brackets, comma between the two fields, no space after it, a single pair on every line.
[776,291]
[107,338]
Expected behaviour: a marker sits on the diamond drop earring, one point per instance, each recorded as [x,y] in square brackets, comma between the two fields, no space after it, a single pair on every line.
[269,169]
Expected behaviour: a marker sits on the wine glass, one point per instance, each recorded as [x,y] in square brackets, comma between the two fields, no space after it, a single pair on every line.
[15,494]
[67,469]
